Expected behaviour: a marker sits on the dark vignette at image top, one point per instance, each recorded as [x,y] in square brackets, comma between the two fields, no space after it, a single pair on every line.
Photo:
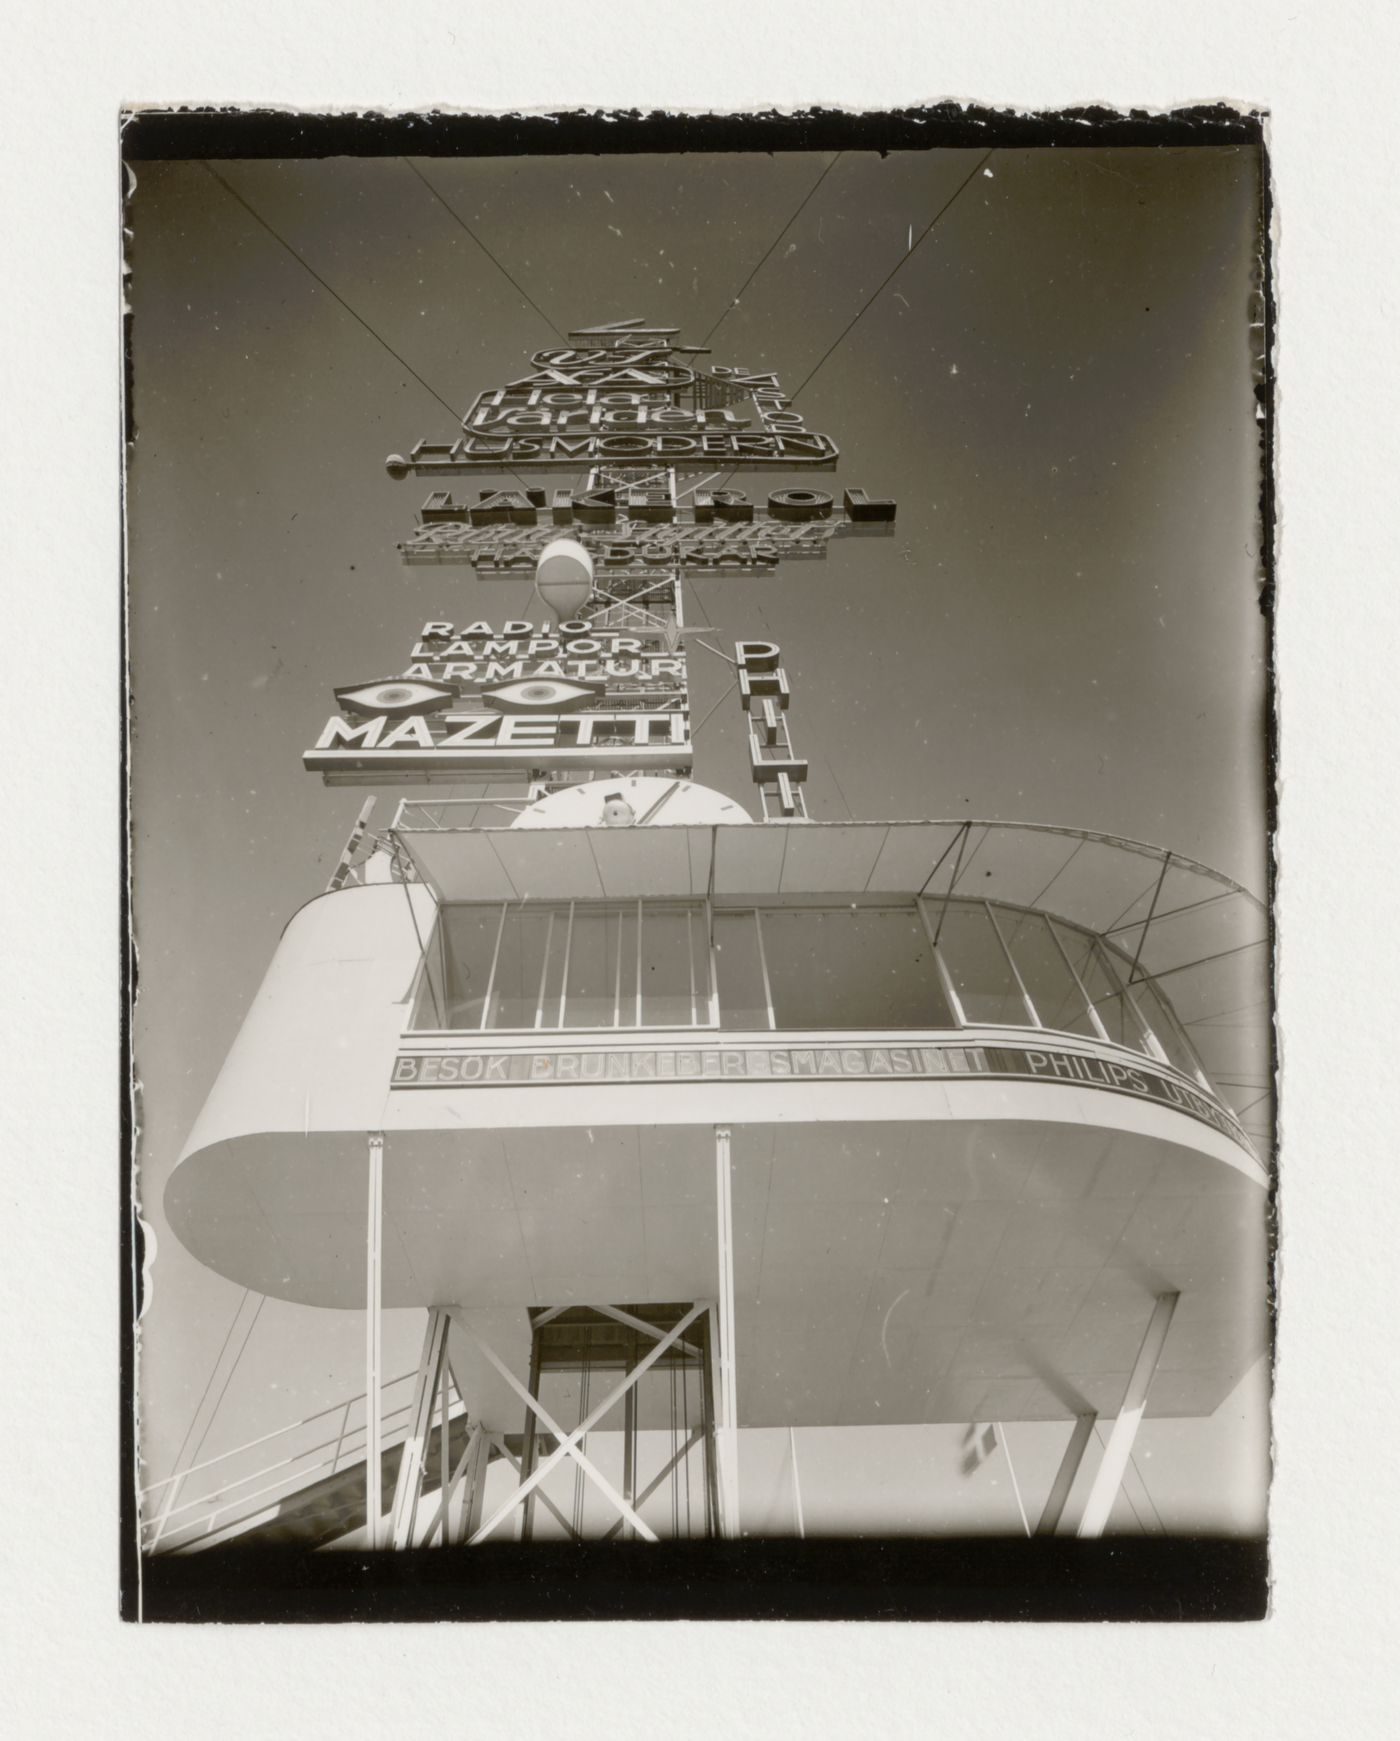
[1140,1579]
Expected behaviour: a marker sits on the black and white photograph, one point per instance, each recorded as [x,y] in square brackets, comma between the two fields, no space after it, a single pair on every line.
[700,804]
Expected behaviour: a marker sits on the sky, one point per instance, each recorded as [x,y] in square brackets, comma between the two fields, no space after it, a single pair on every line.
[1056,386]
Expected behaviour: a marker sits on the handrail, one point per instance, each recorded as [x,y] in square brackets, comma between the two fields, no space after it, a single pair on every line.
[455,1411]
[276,1433]
[286,1463]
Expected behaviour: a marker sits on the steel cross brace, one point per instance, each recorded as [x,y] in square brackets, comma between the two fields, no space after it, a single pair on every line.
[696,1435]
[498,1440]
[431,1374]
[569,1443]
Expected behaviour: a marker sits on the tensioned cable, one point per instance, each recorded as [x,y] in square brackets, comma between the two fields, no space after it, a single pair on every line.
[466,227]
[377,336]
[695,733]
[301,261]
[903,259]
[218,1401]
[738,297]
[879,288]
[1147,1493]
[422,949]
[204,1397]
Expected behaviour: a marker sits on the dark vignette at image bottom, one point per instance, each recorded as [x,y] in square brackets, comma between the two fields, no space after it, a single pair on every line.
[1201,1578]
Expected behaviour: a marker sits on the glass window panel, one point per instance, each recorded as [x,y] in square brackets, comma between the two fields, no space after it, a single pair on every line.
[1104,993]
[1161,1018]
[430,1000]
[977,964]
[852,967]
[557,955]
[627,967]
[469,941]
[669,969]
[517,988]
[593,961]
[743,1003]
[1057,999]
[456,969]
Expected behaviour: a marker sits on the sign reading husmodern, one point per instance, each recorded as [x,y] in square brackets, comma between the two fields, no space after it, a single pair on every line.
[769,1063]
[631,403]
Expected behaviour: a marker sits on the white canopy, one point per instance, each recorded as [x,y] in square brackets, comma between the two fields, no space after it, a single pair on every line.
[1201,939]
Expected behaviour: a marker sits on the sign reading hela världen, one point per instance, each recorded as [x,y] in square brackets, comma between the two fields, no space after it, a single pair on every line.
[619,396]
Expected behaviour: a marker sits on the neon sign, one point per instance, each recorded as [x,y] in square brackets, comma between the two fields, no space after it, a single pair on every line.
[518,696]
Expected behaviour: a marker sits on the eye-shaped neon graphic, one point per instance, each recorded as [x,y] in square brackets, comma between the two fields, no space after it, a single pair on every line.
[542,695]
[396,697]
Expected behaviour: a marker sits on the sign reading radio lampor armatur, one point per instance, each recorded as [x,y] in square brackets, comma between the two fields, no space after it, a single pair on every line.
[525,698]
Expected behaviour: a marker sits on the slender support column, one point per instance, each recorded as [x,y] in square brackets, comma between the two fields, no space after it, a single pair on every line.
[1119,1448]
[457,1491]
[527,1453]
[374,1296]
[476,1486]
[431,1364]
[796,1485]
[629,1444]
[444,1378]
[707,1393]
[1011,1471]
[1065,1474]
[728,1435]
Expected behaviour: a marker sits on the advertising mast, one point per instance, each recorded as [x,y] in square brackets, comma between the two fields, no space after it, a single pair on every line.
[654,436]
[626,1093]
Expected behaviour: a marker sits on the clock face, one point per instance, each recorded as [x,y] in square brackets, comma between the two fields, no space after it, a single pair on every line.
[396,697]
[542,695]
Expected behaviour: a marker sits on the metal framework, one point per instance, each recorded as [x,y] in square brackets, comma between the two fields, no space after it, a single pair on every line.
[1109,1476]
[671,1350]
[706,1004]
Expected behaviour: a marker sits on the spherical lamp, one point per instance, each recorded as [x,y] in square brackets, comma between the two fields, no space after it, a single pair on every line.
[564,577]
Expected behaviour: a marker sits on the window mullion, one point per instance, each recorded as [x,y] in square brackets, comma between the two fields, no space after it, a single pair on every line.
[617,971]
[945,979]
[1154,1045]
[1092,1013]
[763,963]
[564,977]
[1015,971]
[690,962]
[544,972]
[714,965]
[491,977]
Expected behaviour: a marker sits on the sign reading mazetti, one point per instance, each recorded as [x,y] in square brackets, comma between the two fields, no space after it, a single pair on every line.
[520,696]
[625,395]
